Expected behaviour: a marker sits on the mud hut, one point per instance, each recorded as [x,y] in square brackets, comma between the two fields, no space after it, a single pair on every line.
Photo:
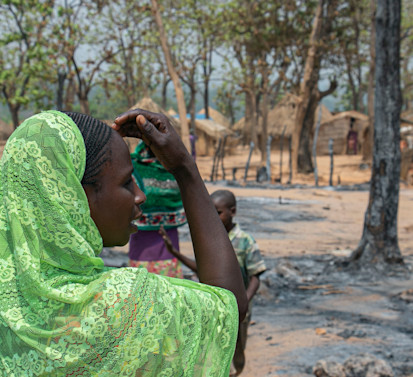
[337,128]
[216,116]
[281,119]
[232,140]
[207,132]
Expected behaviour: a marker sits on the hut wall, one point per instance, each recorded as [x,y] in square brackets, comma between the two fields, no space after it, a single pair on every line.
[336,130]
[201,144]
[205,144]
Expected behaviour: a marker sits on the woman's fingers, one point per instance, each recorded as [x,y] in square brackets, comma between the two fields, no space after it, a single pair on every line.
[160,121]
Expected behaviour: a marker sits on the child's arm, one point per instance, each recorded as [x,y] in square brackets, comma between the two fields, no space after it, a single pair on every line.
[253,286]
[168,243]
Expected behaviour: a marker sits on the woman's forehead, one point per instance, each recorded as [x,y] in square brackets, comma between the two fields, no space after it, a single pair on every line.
[119,151]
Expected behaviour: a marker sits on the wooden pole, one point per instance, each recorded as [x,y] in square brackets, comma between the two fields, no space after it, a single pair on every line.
[317,128]
[222,155]
[331,152]
[281,152]
[248,161]
[269,157]
[214,160]
[290,160]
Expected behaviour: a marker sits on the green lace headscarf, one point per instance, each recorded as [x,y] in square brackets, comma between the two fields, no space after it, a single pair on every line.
[62,313]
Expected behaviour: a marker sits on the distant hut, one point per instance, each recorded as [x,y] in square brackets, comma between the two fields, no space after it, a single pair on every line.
[207,132]
[232,140]
[281,119]
[337,128]
[216,116]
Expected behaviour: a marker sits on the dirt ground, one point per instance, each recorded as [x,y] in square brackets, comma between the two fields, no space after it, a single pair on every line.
[306,308]
[302,312]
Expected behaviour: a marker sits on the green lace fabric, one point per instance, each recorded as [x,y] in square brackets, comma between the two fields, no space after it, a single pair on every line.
[62,313]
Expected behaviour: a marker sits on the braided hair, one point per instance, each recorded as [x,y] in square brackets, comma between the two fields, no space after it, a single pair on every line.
[96,136]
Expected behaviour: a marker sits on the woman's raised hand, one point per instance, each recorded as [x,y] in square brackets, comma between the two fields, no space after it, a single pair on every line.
[157,133]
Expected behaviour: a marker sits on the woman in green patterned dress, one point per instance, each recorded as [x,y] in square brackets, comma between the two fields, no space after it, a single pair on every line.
[65,192]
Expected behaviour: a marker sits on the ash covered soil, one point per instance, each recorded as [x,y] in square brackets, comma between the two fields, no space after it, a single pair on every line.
[307,309]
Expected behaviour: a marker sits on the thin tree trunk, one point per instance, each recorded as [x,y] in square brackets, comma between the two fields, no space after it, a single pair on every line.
[180,99]
[84,105]
[61,77]
[14,111]
[264,129]
[305,163]
[305,87]
[379,242]
[368,133]
[70,95]
[249,115]
[207,64]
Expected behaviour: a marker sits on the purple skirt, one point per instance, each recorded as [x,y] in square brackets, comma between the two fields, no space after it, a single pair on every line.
[148,245]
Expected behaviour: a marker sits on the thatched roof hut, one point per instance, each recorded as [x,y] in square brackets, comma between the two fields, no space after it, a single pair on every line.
[207,132]
[337,128]
[283,115]
[216,116]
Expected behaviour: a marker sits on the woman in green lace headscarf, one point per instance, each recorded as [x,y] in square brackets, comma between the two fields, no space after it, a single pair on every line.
[66,191]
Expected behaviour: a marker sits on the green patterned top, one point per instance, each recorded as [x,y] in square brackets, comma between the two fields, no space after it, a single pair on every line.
[163,205]
[62,313]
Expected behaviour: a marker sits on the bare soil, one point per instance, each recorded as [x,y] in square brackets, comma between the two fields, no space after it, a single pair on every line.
[306,308]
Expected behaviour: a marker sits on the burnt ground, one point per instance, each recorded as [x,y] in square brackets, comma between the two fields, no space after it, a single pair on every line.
[307,308]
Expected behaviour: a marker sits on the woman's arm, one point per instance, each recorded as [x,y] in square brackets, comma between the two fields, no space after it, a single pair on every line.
[215,257]
[190,263]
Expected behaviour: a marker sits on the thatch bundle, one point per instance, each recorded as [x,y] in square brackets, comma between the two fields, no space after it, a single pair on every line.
[283,114]
[216,116]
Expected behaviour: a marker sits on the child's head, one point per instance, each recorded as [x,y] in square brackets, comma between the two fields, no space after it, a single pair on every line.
[225,204]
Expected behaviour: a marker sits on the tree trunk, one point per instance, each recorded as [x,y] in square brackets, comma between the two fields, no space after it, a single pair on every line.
[305,162]
[61,77]
[192,98]
[265,105]
[368,133]
[249,116]
[305,87]
[164,92]
[379,242]
[84,105]
[14,111]
[70,95]
[180,99]
[206,65]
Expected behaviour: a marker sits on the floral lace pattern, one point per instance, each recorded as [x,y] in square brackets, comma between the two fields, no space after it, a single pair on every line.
[62,313]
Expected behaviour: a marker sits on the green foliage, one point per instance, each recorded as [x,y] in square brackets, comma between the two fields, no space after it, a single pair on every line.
[234,44]
[25,55]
